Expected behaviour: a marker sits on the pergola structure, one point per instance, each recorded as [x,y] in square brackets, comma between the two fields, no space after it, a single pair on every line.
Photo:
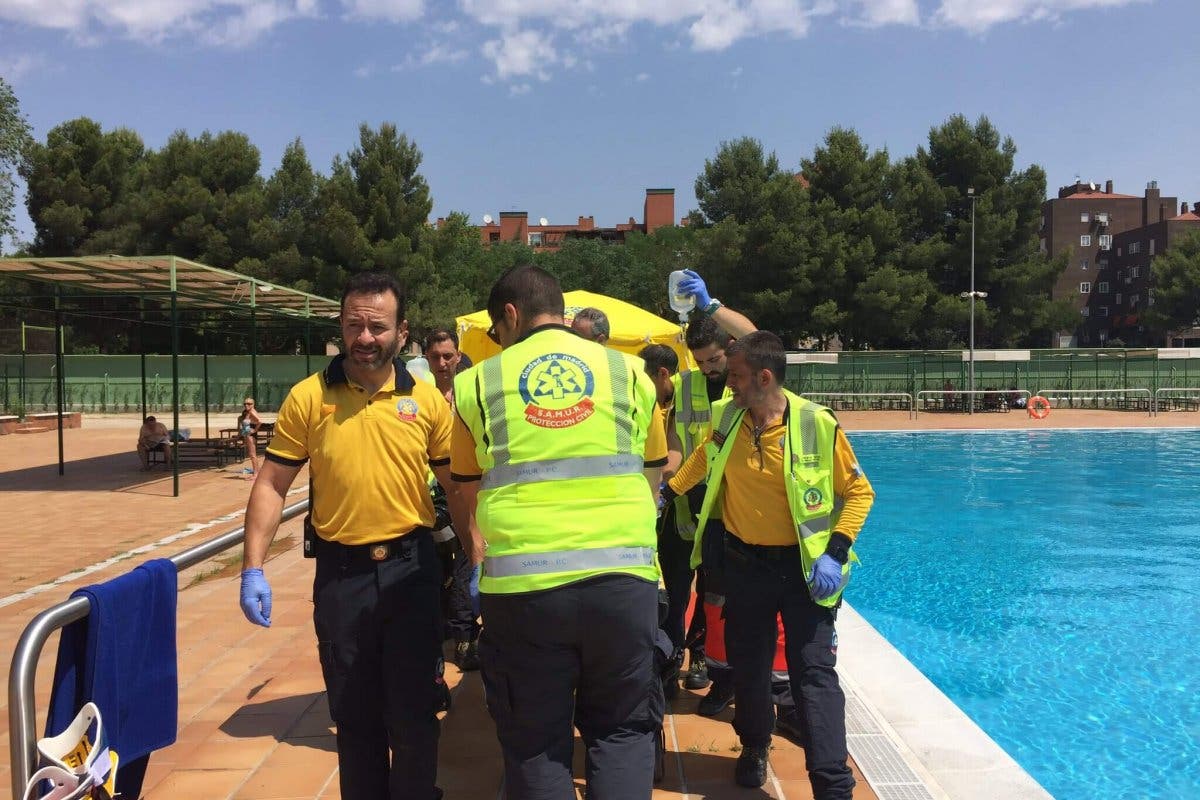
[183,284]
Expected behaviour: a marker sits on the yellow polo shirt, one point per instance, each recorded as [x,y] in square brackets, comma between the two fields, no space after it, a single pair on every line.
[369,454]
[754,505]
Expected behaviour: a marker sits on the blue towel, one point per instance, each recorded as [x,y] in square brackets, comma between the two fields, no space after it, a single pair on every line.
[122,657]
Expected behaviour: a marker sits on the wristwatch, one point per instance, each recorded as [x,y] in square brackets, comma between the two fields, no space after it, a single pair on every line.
[712,307]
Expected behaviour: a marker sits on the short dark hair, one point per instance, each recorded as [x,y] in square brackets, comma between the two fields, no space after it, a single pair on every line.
[530,289]
[440,335]
[762,350]
[599,320]
[704,332]
[375,283]
[659,356]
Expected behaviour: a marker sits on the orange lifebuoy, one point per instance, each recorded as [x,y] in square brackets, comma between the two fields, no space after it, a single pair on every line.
[1038,407]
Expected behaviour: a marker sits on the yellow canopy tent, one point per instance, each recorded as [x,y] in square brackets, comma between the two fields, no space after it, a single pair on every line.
[632,327]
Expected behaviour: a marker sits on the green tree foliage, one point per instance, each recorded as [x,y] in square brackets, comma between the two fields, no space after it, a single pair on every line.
[1175,276]
[14,142]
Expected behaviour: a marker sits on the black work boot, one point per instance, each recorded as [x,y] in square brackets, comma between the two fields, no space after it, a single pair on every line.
[697,675]
[751,768]
[720,695]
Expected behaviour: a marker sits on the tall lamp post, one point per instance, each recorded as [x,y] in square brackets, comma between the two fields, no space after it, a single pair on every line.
[972,294]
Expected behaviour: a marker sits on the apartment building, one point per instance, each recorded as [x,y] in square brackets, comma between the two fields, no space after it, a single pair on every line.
[1083,221]
[514,226]
[1124,290]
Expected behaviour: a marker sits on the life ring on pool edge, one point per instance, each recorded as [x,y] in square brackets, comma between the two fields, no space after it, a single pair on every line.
[1038,407]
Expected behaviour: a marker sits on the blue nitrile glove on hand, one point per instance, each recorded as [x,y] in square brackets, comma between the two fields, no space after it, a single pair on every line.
[256,597]
[694,285]
[826,577]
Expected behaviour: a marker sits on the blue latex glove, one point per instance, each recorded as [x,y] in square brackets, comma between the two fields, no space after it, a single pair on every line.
[826,577]
[694,284]
[256,595]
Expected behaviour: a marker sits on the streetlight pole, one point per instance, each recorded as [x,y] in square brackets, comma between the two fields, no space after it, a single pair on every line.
[971,365]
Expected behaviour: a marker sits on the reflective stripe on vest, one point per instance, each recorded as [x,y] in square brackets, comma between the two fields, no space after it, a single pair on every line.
[687,413]
[561,469]
[567,561]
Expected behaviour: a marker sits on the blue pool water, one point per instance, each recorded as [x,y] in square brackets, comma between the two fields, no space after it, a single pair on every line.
[1049,584]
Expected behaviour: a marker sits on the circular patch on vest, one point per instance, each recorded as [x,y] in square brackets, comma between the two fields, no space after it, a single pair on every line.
[557,389]
[812,498]
[407,408]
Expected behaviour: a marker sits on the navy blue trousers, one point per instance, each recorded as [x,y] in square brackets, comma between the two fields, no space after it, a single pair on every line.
[583,654]
[379,633]
[761,582]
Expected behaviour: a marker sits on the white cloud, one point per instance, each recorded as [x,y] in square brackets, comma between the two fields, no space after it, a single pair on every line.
[518,54]
[977,17]
[434,53]
[519,89]
[14,67]
[364,72]
[737,71]
[876,13]
[216,22]
[642,77]
[386,10]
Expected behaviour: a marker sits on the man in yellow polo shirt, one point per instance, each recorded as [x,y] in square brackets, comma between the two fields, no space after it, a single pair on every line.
[792,499]
[559,448]
[370,433]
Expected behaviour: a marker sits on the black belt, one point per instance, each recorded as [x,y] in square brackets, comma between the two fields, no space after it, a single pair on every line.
[399,547]
[766,552]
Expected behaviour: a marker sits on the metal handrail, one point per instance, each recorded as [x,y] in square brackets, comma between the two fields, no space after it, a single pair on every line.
[22,738]
[1003,394]
[1157,392]
[1070,393]
[903,395]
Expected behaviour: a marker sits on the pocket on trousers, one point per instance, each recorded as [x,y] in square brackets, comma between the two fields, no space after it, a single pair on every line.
[496,694]
[335,678]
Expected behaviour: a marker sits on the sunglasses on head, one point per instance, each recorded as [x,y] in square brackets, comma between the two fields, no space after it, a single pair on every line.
[491,334]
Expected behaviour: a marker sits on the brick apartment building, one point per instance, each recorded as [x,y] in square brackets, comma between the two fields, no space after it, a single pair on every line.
[1084,221]
[513,226]
[1124,292]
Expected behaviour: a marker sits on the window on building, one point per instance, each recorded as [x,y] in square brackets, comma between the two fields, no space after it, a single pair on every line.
[1083,217]
[1149,297]
[1117,300]
[1084,311]
[1134,247]
[1102,311]
[1042,245]
[494,236]
[1151,247]
[1134,299]
[535,240]
[1102,263]
[1102,287]
[1042,227]
[1105,241]
[1083,264]
[1134,272]
[1085,287]
[1085,240]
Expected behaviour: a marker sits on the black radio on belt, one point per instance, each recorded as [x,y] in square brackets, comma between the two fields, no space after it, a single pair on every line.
[310,533]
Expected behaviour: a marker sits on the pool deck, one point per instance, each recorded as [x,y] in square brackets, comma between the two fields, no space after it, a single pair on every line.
[252,719]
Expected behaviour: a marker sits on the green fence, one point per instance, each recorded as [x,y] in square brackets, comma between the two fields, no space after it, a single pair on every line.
[113,383]
[913,372]
[110,384]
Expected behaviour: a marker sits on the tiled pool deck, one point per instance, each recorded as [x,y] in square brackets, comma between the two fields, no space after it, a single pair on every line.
[252,718]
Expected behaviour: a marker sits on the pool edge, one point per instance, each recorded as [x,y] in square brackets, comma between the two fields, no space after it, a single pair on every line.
[937,741]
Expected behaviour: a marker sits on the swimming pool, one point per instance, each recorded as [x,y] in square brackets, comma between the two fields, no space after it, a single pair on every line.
[1049,583]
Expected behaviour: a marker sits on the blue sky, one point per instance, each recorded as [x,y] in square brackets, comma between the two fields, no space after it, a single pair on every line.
[573,107]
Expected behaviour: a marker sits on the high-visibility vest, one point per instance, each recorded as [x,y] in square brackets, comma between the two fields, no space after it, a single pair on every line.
[811,431]
[693,415]
[560,426]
